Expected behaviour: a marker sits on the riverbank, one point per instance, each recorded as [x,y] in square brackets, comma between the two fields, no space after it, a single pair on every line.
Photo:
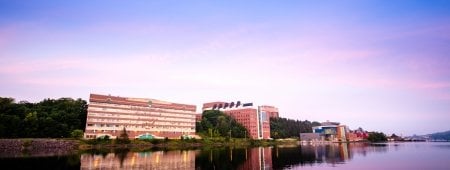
[182,144]
[44,146]
[37,147]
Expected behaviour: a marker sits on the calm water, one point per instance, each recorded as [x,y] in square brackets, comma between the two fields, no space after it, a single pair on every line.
[421,155]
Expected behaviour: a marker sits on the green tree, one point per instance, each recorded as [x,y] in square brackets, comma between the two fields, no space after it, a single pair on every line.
[217,124]
[31,124]
[287,128]
[123,138]
[377,137]
[77,134]
[48,118]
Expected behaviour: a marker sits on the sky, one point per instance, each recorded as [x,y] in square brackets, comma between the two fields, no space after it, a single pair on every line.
[380,65]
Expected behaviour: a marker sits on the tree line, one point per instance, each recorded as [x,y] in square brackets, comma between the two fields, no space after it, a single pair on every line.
[290,128]
[54,118]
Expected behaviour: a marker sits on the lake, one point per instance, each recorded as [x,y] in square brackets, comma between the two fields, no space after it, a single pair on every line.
[413,155]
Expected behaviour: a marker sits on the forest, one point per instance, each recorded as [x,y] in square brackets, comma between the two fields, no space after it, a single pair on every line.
[289,128]
[49,118]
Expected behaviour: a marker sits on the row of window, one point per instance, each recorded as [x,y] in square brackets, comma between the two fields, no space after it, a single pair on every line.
[131,115]
[135,126]
[141,108]
[114,131]
[176,121]
[149,123]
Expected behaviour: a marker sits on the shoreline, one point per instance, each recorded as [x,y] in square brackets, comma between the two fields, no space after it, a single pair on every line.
[63,146]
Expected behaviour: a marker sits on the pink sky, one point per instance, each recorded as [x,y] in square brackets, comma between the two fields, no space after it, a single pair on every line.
[383,69]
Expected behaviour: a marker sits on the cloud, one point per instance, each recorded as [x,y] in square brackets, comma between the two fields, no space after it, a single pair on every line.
[73,71]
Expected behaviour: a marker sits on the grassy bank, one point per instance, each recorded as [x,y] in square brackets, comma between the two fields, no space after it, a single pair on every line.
[40,146]
[181,144]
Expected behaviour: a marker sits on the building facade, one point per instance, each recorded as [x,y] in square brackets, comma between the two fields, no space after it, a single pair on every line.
[150,118]
[332,131]
[271,111]
[254,118]
[358,135]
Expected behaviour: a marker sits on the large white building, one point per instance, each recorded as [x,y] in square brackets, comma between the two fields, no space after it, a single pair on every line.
[150,118]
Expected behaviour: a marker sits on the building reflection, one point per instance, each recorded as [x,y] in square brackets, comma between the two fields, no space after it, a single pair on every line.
[180,159]
[276,157]
[331,153]
[234,158]
[258,158]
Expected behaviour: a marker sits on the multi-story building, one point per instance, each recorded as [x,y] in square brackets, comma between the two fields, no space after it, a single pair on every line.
[150,118]
[271,111]
[254,119]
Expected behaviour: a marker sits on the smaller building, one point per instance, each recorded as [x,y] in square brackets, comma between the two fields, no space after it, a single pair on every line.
[331,131]
[357,135]
[394,137]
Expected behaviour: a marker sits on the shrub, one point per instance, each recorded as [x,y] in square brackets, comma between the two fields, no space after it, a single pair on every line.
[377,137]
[77,134]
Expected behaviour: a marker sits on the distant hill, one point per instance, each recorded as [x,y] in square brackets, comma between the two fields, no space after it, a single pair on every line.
[440,135]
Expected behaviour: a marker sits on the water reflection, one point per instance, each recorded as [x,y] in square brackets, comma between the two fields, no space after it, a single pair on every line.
[333,153]
[234,158]
[325,156]
[278,157]
[179,159]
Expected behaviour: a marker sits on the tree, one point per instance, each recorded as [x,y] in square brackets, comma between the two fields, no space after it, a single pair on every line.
[123,138]
[286,128]
[377,137]
[217,124]
[48,118]
[77,134]
[31,124]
